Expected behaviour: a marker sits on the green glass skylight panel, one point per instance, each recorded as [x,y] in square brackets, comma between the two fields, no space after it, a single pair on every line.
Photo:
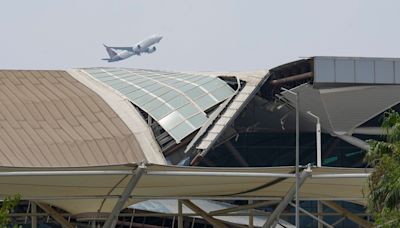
[187,110]
[180,131]
[196,120]
[177,101]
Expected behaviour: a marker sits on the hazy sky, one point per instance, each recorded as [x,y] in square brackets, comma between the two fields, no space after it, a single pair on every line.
[198,35]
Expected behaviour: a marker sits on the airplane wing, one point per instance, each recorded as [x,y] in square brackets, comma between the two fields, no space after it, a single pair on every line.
[123,48]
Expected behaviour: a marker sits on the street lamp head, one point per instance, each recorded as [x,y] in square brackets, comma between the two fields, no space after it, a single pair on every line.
[313,115]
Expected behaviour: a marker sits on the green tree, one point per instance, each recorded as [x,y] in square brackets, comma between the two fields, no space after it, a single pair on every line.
[384,182]
[9,203]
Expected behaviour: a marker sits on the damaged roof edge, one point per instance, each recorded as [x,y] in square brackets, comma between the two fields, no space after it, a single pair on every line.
[254,81]
[128,114]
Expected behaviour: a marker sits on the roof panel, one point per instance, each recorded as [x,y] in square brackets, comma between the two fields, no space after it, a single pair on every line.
[171,120]
[196,120]
[187,111]
[143,100]
[195,93]
[161,111]
[201,81]
[153,87]
[122,86]
[204,102]
[186,87]
[161,90]
[144,83]
[171,94]
[220,94]
[210,86]
[118,84]
[181,131]
[127,89]
[153,104]
[178,101]
[136,94]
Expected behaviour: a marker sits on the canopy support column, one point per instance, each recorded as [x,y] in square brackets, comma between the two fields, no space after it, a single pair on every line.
[33,216]
[180,215]
[320,211]
[251,217]
[354,218]
[112,219]
[55,215]
[205,215]
[286,200]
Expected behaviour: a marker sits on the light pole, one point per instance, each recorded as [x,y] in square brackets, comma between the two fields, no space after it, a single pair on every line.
[318,133]
[297,155]
[319,163]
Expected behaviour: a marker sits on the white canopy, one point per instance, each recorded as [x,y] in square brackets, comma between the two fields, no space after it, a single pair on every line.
[96,189]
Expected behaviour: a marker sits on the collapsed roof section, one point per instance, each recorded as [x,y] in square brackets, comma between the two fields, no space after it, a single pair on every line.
[222,129]
[344,92]
[174,105]
[177,101]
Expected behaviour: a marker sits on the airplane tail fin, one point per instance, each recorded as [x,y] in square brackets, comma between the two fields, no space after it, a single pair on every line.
[110,51]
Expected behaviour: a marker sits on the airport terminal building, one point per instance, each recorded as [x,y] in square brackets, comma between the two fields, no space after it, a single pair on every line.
[123,147]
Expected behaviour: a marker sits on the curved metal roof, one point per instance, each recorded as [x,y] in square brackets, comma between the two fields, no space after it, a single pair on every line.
[177,101]
[50,119]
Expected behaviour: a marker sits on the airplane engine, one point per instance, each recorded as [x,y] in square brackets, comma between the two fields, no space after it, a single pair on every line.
[151,50]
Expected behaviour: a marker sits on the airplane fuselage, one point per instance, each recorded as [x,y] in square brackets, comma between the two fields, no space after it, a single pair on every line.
[121,56]
[149,42]
[121,53]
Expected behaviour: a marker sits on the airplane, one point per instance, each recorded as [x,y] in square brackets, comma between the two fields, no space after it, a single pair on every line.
[121,53]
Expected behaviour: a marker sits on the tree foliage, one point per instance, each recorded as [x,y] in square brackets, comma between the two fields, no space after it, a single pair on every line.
[9,203]
[384,182]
